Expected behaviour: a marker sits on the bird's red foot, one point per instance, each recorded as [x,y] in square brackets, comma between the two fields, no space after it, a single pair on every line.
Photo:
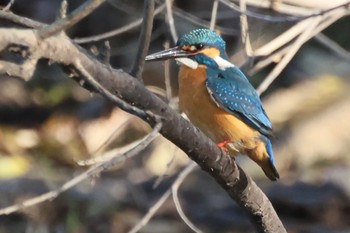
[223,145]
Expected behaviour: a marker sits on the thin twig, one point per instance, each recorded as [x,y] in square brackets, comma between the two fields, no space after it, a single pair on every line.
[63,24]
[85,175]
[327,20]
[175,188]
[170,17]
[333,46]
[144,39]
[161,177]
[105,156]
[153,210]
[214,14]
[167,78]
[282,39]
[273,46]
[23,21]
[202,23]
[108,155]
[200,148]
[282,18]
[117,31]
[275,57]
[8,6]
[63,9]
[245,29]
[289,55]
[121,103]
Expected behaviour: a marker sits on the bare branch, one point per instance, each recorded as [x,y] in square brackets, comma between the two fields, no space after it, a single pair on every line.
[167,78]
[118,31]
[289,55]
[23,21]
[8,6]
[64,23]
[328,19]
[153,210]
[282,39]
[333,46]
[85,175]
[108,155]
[286,10]
[245,29]
[63,9]
[275,57]
[198,146]
[144,39]
[214,14]
[175,188]
[171,22]
[118,101]
[200,22]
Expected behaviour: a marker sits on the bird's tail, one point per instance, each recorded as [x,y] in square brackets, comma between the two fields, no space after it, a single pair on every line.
[263,156]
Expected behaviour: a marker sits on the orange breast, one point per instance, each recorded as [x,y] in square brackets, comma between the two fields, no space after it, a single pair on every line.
[215,122]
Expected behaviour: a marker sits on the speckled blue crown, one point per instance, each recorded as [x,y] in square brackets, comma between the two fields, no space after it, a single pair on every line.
[204,36]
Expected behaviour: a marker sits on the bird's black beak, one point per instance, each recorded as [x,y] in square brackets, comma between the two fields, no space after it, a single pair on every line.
[171,53]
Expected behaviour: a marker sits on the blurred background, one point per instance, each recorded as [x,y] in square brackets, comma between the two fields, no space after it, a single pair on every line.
[50,123]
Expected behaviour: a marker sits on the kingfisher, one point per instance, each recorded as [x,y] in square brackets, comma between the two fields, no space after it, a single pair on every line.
[218,98]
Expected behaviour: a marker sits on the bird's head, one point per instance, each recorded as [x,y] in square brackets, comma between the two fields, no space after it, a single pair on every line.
[200,47]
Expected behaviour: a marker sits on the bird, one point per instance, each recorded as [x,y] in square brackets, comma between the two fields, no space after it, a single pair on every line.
[219,99]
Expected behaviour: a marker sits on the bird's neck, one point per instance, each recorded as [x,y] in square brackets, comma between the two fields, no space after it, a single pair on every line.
[217,62]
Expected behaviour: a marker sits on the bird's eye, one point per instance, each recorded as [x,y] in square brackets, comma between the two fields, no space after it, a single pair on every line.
[199,46]
[193,48]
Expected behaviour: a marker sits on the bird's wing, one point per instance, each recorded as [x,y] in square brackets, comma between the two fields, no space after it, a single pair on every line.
[231,90]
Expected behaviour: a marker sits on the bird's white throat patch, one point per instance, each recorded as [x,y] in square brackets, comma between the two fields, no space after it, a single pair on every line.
[188,62]
[222,63]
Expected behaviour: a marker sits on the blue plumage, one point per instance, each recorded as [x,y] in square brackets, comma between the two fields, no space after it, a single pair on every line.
[231,90]
[202,36]
[203,59]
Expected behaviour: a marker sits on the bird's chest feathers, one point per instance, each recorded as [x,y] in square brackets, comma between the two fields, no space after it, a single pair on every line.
[196,103]
[194,99]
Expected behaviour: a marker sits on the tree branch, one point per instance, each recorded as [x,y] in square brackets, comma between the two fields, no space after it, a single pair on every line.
[199,147]
[144,39]
[95,169]
[64,23]
[117,31]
